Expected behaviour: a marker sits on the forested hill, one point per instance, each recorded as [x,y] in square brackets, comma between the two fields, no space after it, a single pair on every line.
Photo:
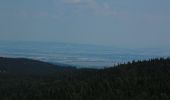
[29,66]
[141,80]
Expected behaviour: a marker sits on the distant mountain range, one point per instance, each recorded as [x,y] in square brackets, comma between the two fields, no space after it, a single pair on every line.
[79,55]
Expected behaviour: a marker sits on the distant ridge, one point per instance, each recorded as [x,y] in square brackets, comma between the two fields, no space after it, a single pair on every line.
[28,66]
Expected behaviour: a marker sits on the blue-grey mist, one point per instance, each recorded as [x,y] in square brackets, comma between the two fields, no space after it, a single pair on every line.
[137,25]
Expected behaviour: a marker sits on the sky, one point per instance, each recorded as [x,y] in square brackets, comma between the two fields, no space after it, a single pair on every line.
[123,23]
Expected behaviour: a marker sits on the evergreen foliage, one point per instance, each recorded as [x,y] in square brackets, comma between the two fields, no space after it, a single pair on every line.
[140,80]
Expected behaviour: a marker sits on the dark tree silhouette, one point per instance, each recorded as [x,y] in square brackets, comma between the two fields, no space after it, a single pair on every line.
[137,80]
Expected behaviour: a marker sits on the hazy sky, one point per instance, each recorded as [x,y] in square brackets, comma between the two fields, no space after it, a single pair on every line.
[124,23]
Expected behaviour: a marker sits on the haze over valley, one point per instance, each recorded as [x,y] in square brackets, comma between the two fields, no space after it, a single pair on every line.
[84,49]
[79,55]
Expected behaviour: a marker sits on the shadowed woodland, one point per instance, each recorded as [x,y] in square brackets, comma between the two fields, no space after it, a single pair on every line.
[25,79]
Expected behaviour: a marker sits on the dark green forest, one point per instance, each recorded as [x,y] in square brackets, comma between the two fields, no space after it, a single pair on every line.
[25,79]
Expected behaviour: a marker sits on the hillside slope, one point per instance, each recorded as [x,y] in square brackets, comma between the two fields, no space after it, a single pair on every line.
[142,80]
[28,66]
